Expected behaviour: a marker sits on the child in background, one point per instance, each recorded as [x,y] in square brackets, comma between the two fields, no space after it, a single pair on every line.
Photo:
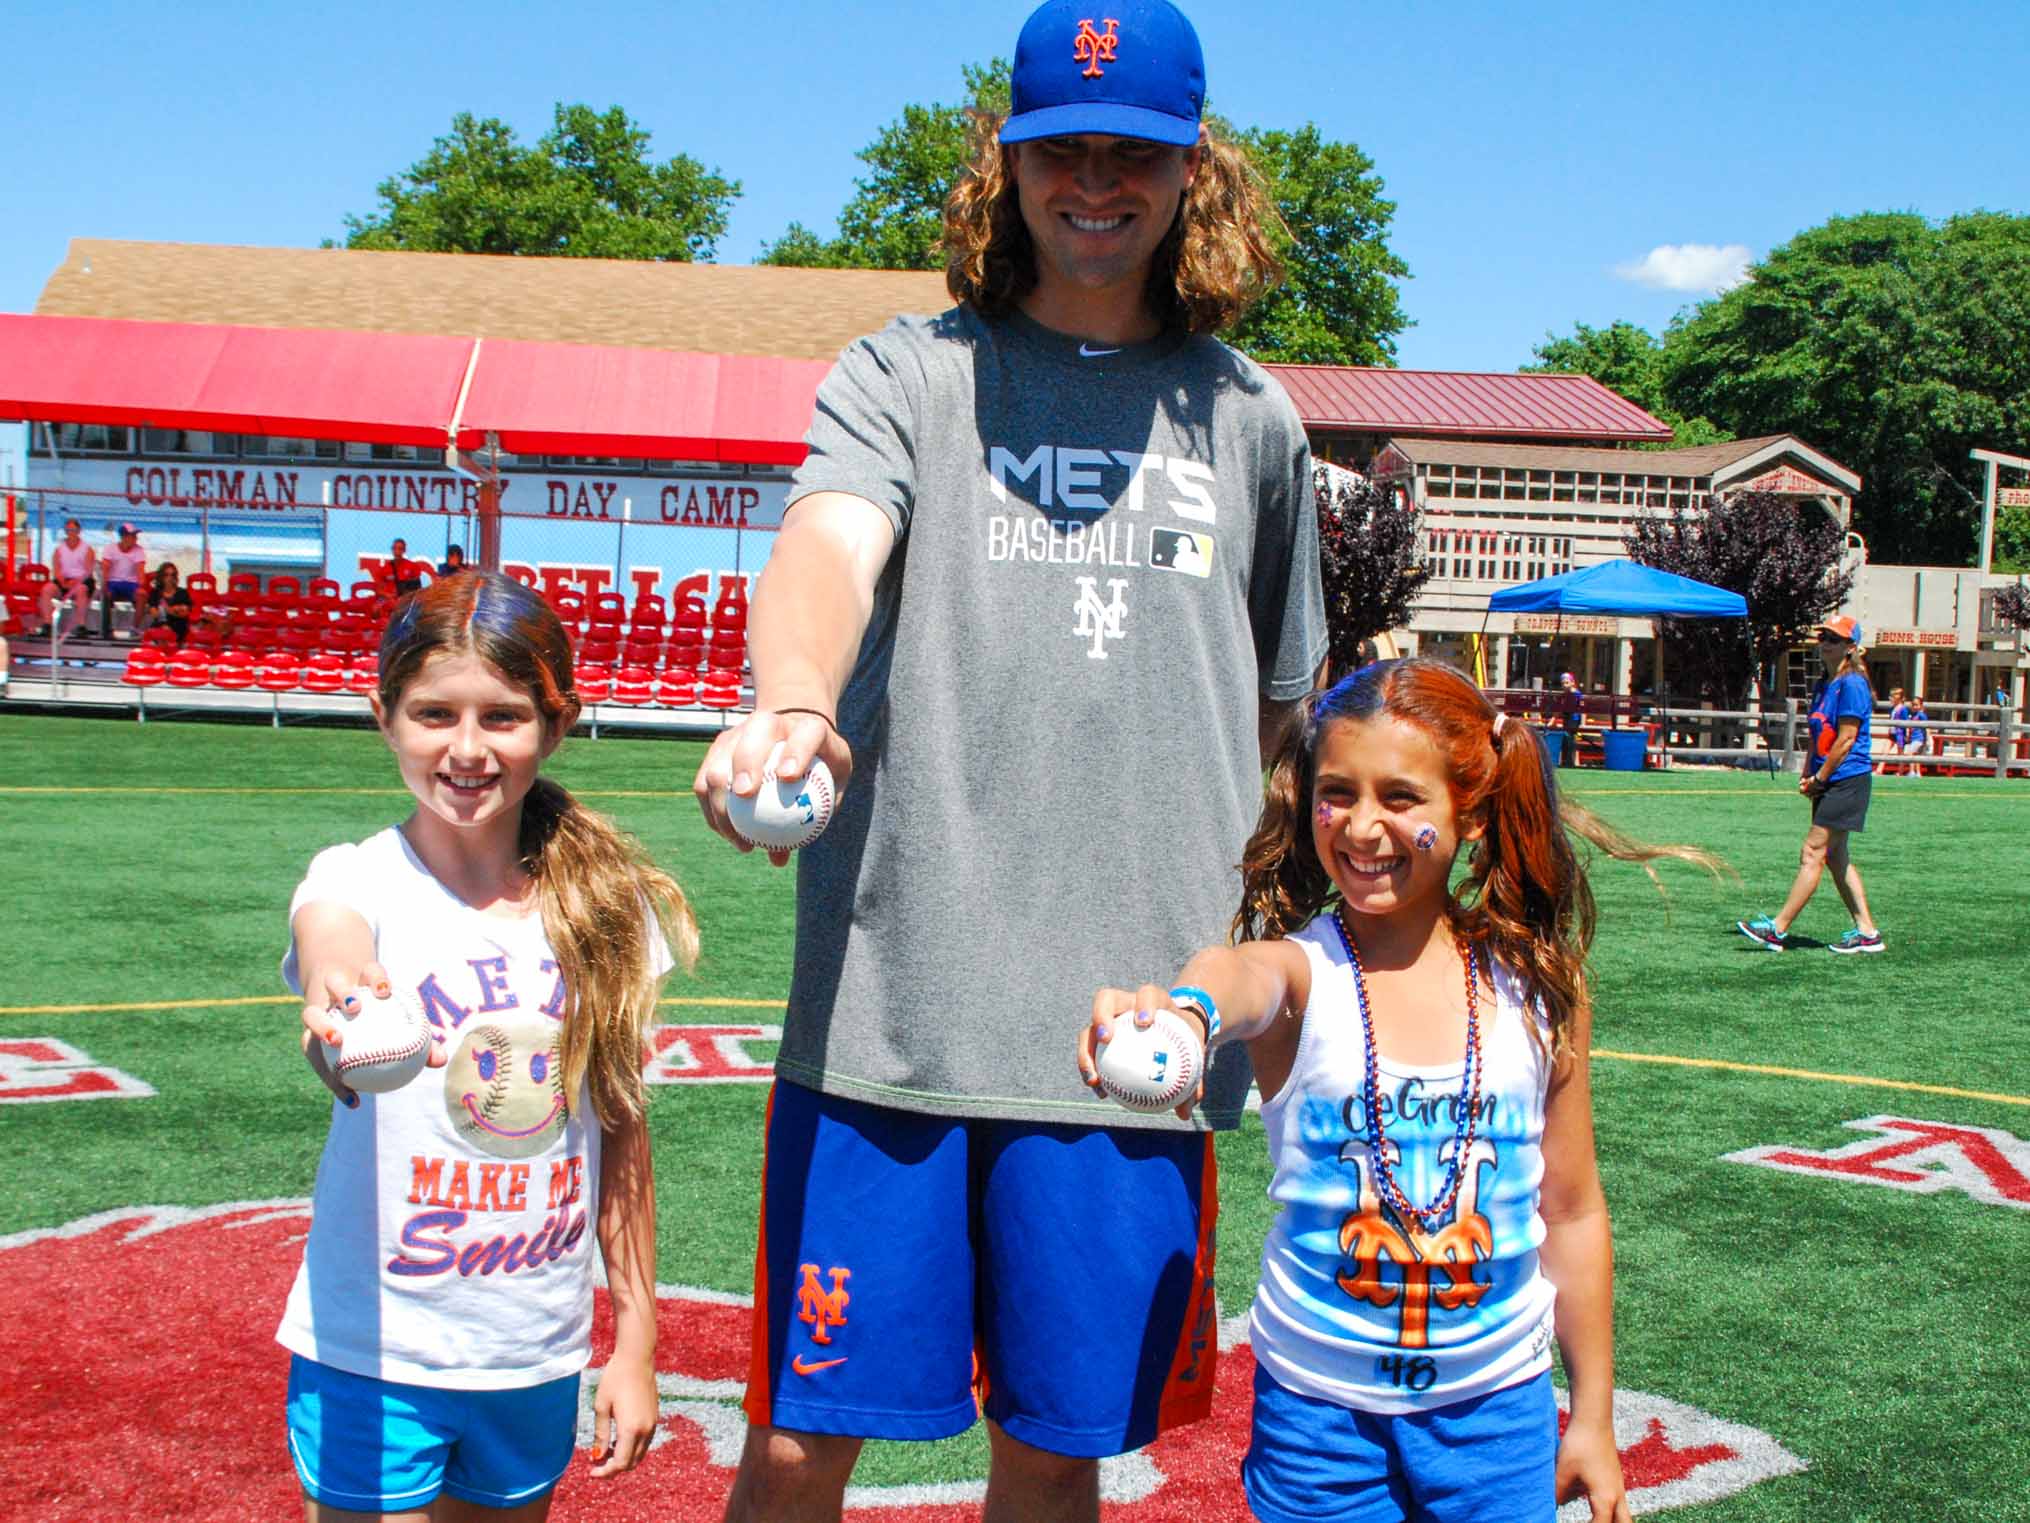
[1422,1059]
[443,1311]
[1899,737]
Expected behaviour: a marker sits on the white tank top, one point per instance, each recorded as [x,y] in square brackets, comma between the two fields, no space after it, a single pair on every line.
[72,561]
[1356,1306]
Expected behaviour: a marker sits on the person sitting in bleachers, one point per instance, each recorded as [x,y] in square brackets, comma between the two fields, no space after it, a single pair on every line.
[169,601]
[126,567]
[71,567]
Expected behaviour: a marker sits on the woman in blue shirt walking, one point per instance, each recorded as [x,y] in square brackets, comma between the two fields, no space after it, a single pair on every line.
[1836,780]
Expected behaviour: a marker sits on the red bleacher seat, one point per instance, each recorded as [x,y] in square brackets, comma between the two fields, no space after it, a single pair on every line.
[633,685]
[188,668]
[366,588]
[649,612]
[297,639]
[242,585]
[600,650]
[278,672]
[594,684]
[146,666]
[205,634]
[324,587]
[202,582]
[363,673]
[607,608]
[233,668]
[675,692]
[33,573]
[683,655]
[324,673]
[714,695]
[161,638]
[286,586]
[642,650]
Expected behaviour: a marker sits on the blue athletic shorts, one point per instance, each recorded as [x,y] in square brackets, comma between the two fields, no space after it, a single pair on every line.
[369,1445]
[1313,1461]
[914,1271]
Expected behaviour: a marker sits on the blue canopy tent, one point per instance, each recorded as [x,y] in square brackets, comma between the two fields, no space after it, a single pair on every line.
[1624,588]
[1621,587]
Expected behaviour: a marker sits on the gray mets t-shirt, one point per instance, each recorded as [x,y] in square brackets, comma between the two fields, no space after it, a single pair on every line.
[1103,556]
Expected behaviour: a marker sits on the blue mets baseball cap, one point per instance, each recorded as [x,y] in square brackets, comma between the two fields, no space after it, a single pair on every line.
[1128,68]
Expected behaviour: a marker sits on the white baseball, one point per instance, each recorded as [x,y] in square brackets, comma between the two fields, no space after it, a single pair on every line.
[784,815]
[383,1047]
[1153,1067]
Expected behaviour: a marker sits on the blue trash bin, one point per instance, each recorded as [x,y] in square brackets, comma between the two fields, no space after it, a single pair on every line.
[1623,750]
[1554,742]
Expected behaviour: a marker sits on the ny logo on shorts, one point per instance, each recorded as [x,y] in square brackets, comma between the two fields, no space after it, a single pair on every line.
[822,1309]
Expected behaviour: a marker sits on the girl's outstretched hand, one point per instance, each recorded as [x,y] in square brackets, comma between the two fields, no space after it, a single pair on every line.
[340,990]
[1140,1006]
[1589,1466]
[624,1415]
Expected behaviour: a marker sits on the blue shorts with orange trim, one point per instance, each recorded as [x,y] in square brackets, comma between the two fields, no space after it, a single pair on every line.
[915,1271]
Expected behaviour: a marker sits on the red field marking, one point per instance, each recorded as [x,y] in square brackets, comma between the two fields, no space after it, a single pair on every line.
[152,1388]
[709,1055]
[1920,1156]
[37,1069]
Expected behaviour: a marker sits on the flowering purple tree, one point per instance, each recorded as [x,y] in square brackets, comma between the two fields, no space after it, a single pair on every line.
[1780,553]
[2012,605]
[1367,548]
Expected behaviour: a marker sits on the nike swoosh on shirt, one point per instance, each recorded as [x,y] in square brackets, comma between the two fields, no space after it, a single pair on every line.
[1092,354]
[801,1368]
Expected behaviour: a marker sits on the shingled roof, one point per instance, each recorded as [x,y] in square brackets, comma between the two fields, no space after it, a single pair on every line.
[710,308]
[1366,399]
[1699,461]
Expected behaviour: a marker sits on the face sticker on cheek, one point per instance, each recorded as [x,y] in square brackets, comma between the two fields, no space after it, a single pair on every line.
[1324,814]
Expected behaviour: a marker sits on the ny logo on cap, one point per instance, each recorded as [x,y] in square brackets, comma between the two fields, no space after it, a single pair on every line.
[1093,48]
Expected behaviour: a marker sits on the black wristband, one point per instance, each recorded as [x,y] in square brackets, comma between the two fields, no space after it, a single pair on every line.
[814,713]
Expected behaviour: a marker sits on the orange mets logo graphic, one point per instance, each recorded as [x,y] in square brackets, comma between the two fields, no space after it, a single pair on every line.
[1367,1236]
[1093,48]
[823,1309]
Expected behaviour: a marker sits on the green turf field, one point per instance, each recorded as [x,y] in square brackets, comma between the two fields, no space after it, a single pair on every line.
[1881,1335]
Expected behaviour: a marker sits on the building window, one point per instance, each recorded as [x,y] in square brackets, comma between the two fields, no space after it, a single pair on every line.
[275,447]
[92,438]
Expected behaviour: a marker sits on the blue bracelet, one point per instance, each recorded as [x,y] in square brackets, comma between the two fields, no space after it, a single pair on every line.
[1194,995]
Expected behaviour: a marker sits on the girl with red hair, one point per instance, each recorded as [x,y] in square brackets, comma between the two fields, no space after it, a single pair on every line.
[1421,1050]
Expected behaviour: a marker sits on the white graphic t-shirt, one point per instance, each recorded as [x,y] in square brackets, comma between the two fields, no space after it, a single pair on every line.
[454,1219]
[1357,1305]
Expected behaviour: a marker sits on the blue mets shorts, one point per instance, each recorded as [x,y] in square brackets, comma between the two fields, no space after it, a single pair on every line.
[370,1445]
[1494,1456]
[916,1270]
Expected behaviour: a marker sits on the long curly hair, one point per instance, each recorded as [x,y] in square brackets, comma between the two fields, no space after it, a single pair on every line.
[1524,895]
[602,899]
[1216,261]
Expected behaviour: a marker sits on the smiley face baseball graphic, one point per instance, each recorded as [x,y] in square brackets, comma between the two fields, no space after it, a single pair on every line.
[504,1088]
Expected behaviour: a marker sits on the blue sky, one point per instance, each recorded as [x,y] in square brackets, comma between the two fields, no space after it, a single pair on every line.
[1534,152]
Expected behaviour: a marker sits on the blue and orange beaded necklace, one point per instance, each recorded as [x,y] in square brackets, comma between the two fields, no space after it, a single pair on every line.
[1427,1218]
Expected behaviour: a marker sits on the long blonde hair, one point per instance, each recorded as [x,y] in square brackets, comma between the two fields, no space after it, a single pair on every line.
[604,902]
[1215,262]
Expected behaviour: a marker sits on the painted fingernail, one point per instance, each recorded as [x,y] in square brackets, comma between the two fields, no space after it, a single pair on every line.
[334,1037]
[351,1002]
[383,991]
[352,1104]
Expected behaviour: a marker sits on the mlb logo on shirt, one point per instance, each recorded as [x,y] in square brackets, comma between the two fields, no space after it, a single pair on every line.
[1180,550]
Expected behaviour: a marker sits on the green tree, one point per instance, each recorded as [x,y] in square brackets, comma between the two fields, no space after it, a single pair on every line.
[2012,540]
[1339,305]
[896,214]
[587,188]
[1627,359]
[1893,344]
